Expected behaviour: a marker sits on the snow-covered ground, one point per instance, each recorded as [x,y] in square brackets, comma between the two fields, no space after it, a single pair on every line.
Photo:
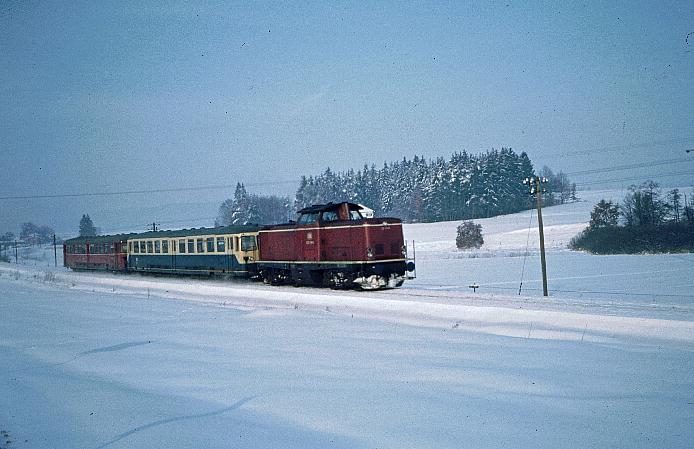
[662,281]
[121,361]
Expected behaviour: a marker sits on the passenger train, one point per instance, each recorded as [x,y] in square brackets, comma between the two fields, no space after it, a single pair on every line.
[330,245]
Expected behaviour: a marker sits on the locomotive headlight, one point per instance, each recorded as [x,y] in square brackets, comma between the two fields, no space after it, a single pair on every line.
[369,253]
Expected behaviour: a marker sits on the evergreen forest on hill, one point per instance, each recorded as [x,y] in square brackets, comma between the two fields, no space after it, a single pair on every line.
[466,186]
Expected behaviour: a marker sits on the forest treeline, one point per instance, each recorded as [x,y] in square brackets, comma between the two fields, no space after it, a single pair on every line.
[466,186]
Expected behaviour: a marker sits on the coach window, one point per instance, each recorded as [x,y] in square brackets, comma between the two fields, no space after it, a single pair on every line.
[165,246]
[136,246]
[149,246]
[200,246]
[157,246]
[143,247]
[210,244]
[236,243]
[182,246]
[220,244]
[248,243]
[191,246]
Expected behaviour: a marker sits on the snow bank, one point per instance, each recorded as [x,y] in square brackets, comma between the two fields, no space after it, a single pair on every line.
[505,316]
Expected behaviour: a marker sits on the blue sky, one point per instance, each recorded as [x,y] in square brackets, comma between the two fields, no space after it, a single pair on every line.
[113,96]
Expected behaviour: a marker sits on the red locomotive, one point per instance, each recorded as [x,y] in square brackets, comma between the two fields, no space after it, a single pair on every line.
[334,245]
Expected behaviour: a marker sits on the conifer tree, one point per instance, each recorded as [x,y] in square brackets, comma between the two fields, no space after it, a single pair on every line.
[87,228]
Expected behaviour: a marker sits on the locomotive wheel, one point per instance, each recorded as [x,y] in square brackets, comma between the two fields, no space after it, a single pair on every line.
[338,280]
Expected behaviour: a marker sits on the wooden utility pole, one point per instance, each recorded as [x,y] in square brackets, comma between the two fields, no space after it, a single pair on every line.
[535,184]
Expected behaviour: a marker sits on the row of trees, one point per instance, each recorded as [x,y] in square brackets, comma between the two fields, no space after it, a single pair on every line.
[646,221]
[645,205]
[463,187]
[31,234]
[247,208]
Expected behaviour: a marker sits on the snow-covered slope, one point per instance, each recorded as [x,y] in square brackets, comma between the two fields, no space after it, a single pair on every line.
[509,233]
[122,361]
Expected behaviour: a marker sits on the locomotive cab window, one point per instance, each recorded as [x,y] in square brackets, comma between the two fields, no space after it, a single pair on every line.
[308,218]
[330,216]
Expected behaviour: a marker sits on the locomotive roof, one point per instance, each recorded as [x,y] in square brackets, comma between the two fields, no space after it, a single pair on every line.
[234,229]
[326,207]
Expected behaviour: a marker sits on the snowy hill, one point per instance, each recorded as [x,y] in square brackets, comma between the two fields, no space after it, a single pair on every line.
[509,233]
[124,361]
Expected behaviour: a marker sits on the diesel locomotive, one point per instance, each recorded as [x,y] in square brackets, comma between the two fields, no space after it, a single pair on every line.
[329,245]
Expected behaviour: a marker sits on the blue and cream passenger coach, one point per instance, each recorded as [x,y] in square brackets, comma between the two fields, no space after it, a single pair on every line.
[226,251]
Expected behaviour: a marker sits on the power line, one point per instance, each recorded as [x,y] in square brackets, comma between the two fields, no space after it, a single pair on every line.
[634,178]
[630,166]
[628,147]
[144,191]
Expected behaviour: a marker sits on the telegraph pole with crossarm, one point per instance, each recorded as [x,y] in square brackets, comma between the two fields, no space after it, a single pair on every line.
[535,184]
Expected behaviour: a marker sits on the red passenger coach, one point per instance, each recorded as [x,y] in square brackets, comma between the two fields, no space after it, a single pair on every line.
[333,245]
[107,253]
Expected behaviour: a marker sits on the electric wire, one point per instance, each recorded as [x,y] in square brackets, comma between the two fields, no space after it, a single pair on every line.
[290,182]
[525,255]
[630,166]
[143,191]
[580,185]
[609,149]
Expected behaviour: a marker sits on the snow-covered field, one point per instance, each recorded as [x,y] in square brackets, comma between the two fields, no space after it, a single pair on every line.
[116,361]
[662,281]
